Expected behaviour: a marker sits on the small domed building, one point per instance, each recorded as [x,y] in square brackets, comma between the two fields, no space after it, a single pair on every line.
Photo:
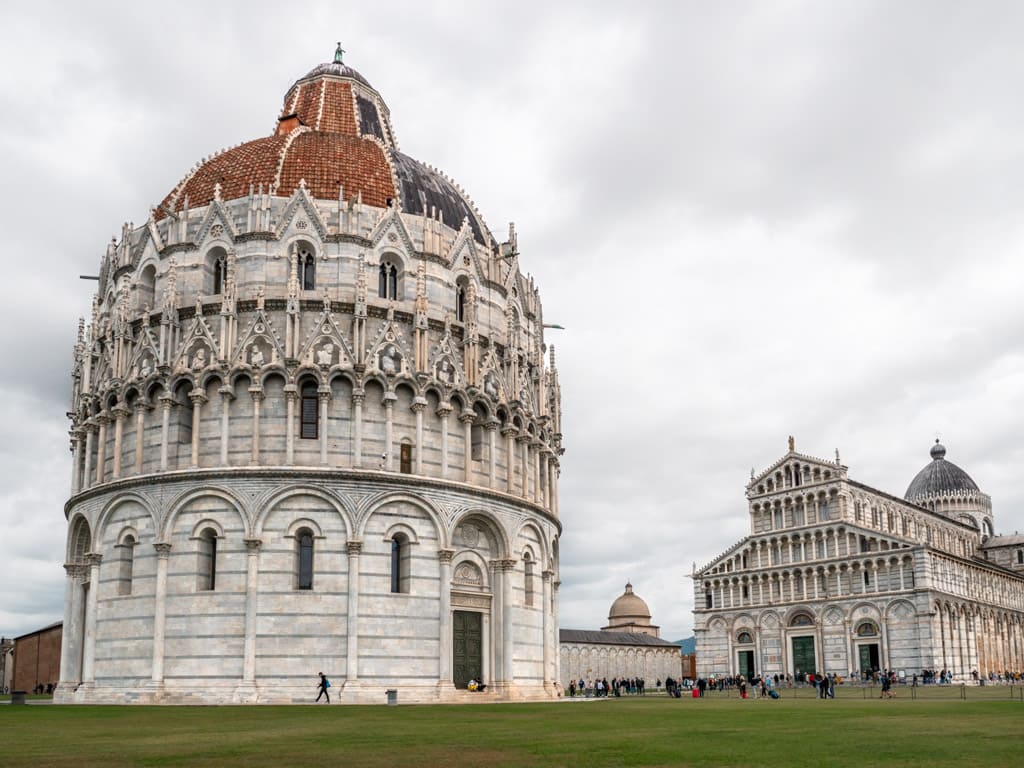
[628,647]
[315,427]
[837,577]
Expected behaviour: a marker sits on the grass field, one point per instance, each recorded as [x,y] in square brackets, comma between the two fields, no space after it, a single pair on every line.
[651,731]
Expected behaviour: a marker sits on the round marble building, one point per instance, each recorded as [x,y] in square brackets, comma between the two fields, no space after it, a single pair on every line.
[313,429]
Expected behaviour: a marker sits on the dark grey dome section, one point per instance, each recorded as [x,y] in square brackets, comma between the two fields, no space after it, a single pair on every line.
[424,189]
[338,69]
[939,477]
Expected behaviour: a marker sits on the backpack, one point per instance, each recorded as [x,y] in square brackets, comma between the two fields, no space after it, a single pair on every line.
[327,683]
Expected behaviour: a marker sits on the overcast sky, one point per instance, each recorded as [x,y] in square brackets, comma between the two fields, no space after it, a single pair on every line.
[753,219]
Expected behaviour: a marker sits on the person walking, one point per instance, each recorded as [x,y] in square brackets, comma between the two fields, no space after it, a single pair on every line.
[322,687]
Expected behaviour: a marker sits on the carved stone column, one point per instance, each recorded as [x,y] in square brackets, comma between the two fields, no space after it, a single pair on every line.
[389,426]
[358,396]
[467,418]
[509,433]
[90,442]
[93,561]
[197,398]
[252,561]
[141,406]
[101,446]
[120,413]
[444,557]
[506,569]
[256,393]
[78,441]
[443,412]
[166,403]
[163,552]
[227,394]
[524,463]
[547,619]
[536,445]
[290,396]
[418,406]
[74,625]
[323,401]
[492,448]
[352,628]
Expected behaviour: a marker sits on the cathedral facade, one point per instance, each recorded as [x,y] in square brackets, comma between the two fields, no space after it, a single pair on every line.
[837,577]
[315,428]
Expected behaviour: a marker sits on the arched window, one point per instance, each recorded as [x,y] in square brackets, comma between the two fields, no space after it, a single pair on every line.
[405,458]
[307,270]
[206,567]
[867,629]
[477,442]
[460,303]
[387,285]
[220,274]
[527,579]
[801,620]
[400,551]
[1020,557]
[310,412]
[744,638]
[304,553]
[126,565]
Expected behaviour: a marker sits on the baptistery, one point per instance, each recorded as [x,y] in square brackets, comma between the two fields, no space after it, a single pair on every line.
[315,428]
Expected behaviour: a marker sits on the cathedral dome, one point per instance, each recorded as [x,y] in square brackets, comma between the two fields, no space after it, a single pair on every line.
[334,137]
[628,606]
[939,477]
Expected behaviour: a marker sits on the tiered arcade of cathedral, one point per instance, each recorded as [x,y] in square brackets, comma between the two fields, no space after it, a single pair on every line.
[312,430]
[837,577]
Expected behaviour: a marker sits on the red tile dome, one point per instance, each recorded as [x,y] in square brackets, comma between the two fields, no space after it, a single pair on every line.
[333,132]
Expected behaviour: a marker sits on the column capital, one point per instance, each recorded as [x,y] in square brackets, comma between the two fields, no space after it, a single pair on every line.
[291,392]
[547,575]
[508,431]
[102,418]
[419,405]
[358,396]
[491,425]
[253,545]
[523,437]
[354,547]
[93,559]
[120,411]
[142,405]
[443,410]
[77,571]
[163,549]
[503,564]
[323,394]
[226,393]
[467,417]
[445,555]
[167,401]
[256,393]
[389,399]
[198,397]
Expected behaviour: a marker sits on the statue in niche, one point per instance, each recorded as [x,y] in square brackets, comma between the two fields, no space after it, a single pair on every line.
[491,387]
[325,355]
[199,359]
[255,356]
[390,360]
[445,372]
[145,370]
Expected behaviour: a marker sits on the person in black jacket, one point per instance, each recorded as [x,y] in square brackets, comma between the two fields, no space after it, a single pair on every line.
[322,687]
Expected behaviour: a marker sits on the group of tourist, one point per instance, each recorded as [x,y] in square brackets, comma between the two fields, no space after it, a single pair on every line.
[625,686]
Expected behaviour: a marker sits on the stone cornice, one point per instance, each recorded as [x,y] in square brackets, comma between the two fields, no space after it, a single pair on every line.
[368,477]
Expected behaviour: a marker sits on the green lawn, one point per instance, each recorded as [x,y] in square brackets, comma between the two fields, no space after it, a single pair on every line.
[655,731]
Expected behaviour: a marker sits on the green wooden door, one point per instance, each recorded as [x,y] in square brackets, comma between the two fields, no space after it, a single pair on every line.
[746,663]
[803,655]
[467,647]
[868,657]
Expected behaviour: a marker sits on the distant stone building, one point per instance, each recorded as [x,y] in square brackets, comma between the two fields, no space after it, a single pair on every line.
[838,577]
[6,663]
[314,429]
[37,660]
[629,646]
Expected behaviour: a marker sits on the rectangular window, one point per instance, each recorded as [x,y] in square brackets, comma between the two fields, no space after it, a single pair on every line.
[310,414]
[478,442]
[406,459]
